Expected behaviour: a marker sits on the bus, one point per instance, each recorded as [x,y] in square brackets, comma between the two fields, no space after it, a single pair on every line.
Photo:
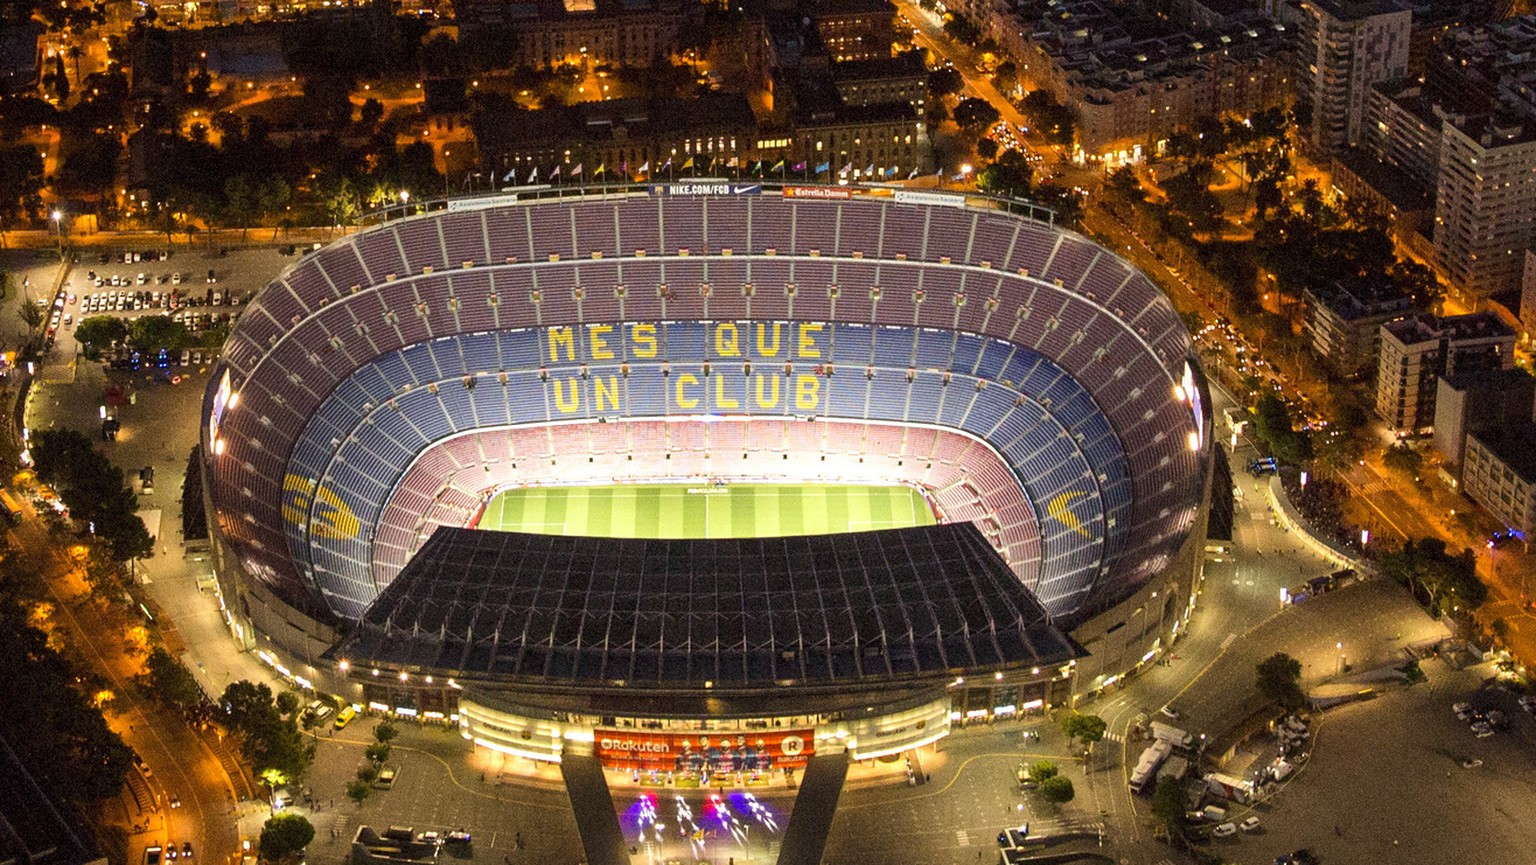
[11,506]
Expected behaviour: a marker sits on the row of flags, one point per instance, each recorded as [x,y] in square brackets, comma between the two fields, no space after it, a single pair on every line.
[757,168]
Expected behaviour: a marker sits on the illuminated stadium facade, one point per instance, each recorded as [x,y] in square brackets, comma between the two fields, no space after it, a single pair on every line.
[1037,388]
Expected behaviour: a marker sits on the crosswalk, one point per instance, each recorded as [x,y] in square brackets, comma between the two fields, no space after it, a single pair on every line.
[962,839]
[1114,737]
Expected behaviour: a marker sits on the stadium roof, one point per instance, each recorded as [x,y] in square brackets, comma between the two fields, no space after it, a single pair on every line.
[747,613]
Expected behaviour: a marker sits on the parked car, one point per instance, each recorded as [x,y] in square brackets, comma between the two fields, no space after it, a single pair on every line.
[1225,830]
[1249,825]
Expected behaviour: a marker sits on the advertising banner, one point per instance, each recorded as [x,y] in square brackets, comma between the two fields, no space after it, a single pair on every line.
[817,192]
[759,750]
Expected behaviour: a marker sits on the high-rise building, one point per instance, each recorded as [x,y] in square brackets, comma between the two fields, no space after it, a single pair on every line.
[1345,46]
[1416,351]
[1344,322]
[1484,213]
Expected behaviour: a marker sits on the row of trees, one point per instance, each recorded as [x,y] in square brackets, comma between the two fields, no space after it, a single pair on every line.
[377,752]
[49,719]
[93,489]
[268,730]
[146,333]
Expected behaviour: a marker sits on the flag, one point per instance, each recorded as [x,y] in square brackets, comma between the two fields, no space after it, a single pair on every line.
[870,170]
[823,168]
[778,166]
[533,176]
[689,164]
[798,166]
[601,167]
[889,172]
[644,167]
[554,174]
[509,176]
[733,163]
[913,174]
[667,165]
[845,169]
[576,172]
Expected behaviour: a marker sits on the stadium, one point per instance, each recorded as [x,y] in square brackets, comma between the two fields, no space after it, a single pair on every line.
[802,465]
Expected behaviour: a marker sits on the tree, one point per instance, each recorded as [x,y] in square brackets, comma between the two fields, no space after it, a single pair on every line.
[1443,582]
[1089,728]
[367,772]
[287,703]
[1123,181]
[1168,801]
[284,836]
[33,315]
[102,572]
[945,81]
[21,184]
[245,703]
[986,148]
[239,202]
[49,721]
[93,489]
[1279,681]
[1273,426]
[385,732]
[1041,770]
[99,332]
[960,29]
[1057,790]
[154,332]
[169,681]
[378,752]
[975,114]
[1009,174]
[1400,457]
[358,790]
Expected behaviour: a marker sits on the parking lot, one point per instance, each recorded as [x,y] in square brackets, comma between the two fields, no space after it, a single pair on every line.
[1398,780]
[203,291]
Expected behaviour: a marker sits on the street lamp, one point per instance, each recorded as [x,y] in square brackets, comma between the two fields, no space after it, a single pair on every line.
[58,228]
[1340,647]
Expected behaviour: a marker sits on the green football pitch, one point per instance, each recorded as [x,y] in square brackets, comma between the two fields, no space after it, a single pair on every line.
[693,511]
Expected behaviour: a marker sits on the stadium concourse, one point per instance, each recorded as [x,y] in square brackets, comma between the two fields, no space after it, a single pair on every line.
[1039,393]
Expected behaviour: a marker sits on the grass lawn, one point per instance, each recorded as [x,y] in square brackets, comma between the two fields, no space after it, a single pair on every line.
[693,511]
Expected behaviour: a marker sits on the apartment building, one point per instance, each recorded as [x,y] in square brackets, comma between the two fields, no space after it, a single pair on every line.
[1485,201]
[1345,47]
[1417,350]
[1344,323]
[1500,474]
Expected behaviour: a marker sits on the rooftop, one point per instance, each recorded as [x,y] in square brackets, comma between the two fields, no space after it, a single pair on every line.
[857,609]
[1515,448]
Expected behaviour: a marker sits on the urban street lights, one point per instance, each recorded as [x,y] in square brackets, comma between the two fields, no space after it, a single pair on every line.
[58,228]
[1340,647]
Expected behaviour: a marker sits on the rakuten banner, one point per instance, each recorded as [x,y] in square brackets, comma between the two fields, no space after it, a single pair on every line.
[759,750]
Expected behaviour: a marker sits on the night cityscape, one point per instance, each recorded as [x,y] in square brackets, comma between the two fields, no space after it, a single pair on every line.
[804,431]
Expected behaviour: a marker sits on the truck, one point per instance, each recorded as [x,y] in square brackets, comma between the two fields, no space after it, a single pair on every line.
[1172,735]
[1175,768]
[1229,787]
[1146,768]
